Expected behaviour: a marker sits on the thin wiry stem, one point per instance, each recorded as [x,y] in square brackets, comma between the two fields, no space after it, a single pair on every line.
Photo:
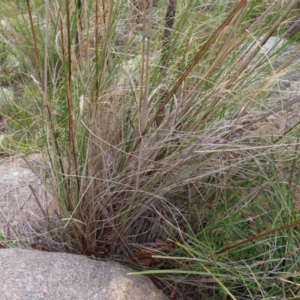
[36,48]
[188,70]
[71,133]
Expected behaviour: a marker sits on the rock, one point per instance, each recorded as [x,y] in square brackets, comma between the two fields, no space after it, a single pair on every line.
[3,123]
[6,95]
[20,187]
[34,275]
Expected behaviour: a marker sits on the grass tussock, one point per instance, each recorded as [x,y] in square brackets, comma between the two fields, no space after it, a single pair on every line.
[171,137]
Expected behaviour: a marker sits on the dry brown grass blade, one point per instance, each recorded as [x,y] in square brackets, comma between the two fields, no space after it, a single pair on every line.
[36,48]
[37,200]
[94,34]
[264,39]
[256,237]
[145,74]
[169,23]
[231,45]
[287,131]
[274,111]
[71,133]
[213,38]
[48,118]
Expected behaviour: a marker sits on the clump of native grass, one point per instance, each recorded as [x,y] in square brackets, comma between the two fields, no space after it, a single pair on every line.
[163,137]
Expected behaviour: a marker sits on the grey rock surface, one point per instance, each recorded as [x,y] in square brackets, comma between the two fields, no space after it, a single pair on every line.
[20,187]
[33,275]
[6,95]
[36,275]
